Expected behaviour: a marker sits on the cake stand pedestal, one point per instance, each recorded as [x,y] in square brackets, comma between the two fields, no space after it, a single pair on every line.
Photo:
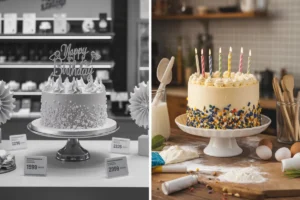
[73,151]
[222,143]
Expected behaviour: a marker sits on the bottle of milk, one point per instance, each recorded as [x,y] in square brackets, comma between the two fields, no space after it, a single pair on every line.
[160,116]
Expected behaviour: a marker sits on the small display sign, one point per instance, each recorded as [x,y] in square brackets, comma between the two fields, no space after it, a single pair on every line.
[29,23]
[35,165]
[120,145]
[116,167]
[10,23]
[18,142]
[60,23]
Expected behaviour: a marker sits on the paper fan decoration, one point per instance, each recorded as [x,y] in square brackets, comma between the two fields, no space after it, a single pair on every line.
[139,105]
[6,102]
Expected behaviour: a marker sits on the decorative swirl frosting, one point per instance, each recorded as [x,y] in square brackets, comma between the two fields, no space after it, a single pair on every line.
[81,83]
[49,85]
[99,84]
[217,74]
[219,82]
[209,82]
[201,80]
[228,82]
[226,74]
[72,88]
[58,86]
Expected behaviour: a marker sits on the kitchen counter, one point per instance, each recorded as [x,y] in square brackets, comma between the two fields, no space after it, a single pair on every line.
[90,173]
[247,158]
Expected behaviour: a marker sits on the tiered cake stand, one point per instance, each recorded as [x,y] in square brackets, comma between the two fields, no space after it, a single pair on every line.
[222,143]
[73,151]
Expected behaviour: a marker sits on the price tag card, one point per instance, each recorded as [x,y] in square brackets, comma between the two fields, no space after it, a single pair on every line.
[10,23]
[29,23]
[116,167]
[18,142]
[35,165]
[120,145]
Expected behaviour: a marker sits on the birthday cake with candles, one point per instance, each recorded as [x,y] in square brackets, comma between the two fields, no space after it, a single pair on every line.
[226,100]
[73,103]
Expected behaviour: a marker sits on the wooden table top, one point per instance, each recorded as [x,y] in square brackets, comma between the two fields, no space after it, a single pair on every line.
[200,191]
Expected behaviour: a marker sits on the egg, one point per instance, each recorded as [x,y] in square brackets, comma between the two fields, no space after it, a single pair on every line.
[282,153]
[266,142]
[295,148]
[264,152]
[297,155]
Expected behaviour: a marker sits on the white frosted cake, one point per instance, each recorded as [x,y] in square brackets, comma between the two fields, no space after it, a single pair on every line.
[73,105]
[223,103]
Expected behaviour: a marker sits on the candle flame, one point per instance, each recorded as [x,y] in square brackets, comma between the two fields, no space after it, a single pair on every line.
[230,49]
[196,51]
[242,50]
[220,50]
[250,52]
[209,52]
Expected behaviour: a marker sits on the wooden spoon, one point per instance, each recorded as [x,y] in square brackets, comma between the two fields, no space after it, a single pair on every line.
[279,95]
[288,82]
[164,76]
[297,130]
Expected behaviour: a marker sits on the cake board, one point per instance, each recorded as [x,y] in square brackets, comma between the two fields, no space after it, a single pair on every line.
[73,151]
[222,143]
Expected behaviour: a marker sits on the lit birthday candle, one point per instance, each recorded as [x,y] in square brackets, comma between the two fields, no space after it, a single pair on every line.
[229,62]
[197,61]
[210,64]
[203,64]
[249,62]
[220,61]
[241,61]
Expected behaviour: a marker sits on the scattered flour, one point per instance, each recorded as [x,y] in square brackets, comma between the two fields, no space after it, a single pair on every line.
[243,175]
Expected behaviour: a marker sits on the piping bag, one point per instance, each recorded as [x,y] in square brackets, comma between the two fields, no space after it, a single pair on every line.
[174,154]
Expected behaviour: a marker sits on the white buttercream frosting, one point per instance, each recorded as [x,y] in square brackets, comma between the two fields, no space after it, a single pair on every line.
[219,82]
[236,80]
[74,87]
[209,82]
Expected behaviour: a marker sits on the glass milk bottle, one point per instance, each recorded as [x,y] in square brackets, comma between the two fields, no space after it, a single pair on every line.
[160,116]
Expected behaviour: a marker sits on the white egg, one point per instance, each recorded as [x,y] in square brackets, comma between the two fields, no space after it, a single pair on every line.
[282,153]
[264,152]
[297,155]
[3,154]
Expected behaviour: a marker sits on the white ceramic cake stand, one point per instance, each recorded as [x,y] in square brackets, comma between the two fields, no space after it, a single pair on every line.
[222,143]
[73,151]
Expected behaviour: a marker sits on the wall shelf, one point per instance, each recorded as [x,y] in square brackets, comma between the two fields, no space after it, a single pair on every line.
[237,15]
[49,65]
[21,93]
[69,36]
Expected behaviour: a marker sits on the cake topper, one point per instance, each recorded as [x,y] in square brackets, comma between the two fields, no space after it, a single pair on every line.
[65,61]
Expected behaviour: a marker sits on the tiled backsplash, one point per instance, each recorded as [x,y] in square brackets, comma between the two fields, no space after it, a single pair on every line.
[274,40]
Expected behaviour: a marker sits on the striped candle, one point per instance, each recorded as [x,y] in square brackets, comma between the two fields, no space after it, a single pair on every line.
[202,63]
[210,64]
[249,62]
[229,62]
[241,61]
[220,62]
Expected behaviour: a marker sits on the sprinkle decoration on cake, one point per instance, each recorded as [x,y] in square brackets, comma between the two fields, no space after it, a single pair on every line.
[73,103]
[226,100]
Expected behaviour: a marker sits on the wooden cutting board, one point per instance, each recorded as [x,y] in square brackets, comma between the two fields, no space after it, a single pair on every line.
[277,185]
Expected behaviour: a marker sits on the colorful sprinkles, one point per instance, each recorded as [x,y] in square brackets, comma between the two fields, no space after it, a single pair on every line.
[226,118]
